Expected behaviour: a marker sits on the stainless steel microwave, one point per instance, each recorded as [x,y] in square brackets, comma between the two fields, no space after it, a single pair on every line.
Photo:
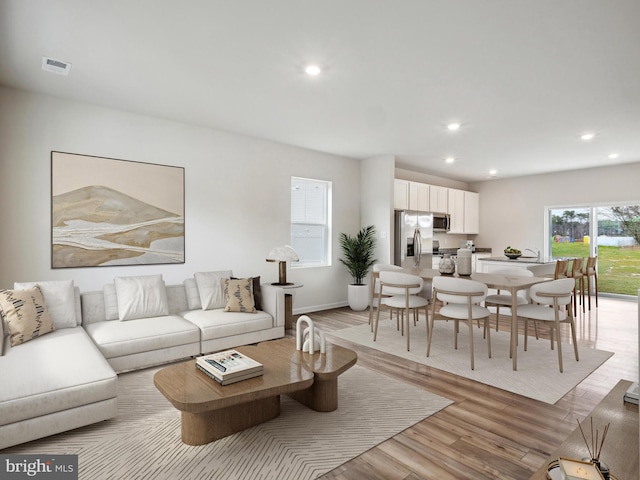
[441,222]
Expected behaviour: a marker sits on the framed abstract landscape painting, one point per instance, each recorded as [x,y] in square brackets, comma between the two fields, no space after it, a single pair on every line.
[107,212]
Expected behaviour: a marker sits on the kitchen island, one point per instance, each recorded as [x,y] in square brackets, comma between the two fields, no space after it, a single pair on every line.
[539,267]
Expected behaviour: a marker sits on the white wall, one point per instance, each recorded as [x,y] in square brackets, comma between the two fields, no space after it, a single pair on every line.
[237,193]
[376,203]
[512,211]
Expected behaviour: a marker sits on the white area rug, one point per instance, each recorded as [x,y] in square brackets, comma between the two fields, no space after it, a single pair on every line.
[143,442]
[537,377]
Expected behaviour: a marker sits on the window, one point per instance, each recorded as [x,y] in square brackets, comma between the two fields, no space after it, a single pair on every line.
[610,232]
[311,221]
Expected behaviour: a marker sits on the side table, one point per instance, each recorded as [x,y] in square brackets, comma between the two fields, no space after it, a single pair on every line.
[288,303]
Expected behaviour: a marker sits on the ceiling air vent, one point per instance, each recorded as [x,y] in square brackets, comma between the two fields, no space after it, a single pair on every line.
[55,66]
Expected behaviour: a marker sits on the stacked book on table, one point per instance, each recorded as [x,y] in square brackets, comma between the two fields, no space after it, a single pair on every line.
[229,367]
[632,394]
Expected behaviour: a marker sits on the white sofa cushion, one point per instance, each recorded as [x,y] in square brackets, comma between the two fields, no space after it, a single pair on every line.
[65,370]
[59,296]
[110,302]
[218,323]
[143,296]
[116,339]
[211,288]
[193,296]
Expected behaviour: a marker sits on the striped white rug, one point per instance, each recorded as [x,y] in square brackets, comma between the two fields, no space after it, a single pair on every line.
[143,442]
[537,377]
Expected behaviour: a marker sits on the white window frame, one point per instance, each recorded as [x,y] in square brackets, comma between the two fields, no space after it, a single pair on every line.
[321,219]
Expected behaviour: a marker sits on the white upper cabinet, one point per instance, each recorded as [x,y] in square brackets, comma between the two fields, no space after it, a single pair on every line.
[419,196]
[464,209]
[401,195]
[438,199]
[462,206]
[411,196]
[456,210]
[471,212]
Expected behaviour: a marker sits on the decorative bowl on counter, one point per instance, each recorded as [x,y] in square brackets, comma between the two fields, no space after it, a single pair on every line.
[513,256]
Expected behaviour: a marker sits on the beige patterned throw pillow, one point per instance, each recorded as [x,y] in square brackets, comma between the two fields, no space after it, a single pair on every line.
[25,313]
[239,295]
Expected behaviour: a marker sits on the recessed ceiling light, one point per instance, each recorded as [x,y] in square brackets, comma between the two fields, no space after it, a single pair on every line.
[449,159]
[493,173]
[453,126]
[312,70]
[587,136]
[613,156]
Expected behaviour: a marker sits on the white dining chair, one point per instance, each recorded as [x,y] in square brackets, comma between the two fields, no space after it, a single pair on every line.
[374,296]
[547,299]
[461,302]
[503,299]
[402,291]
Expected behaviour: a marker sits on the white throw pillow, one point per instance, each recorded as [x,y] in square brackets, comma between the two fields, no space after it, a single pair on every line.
[141,297]
[59,297]
[211,288]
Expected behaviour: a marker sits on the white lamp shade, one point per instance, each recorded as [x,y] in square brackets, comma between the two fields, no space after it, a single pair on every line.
[283,253]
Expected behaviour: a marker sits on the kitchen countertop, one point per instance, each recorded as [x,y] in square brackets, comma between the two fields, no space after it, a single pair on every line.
[454,251]
[522,259]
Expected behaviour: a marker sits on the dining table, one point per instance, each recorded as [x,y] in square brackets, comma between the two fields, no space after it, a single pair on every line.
[511,283]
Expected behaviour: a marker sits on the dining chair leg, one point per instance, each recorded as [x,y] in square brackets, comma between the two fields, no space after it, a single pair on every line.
[575,341]
[497,316]
[407,321]
[375,327]
[470,322]
[487,327]
[557,328]
[526,332]
[455,334]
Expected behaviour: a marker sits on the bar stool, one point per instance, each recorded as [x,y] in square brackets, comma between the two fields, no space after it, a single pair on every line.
[591,271]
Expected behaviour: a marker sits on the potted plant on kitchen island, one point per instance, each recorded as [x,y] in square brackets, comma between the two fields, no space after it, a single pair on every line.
[358,253]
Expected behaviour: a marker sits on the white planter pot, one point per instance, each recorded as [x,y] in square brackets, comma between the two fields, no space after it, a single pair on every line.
[358,296]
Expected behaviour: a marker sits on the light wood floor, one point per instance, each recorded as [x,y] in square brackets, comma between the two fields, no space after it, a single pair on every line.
[488,433]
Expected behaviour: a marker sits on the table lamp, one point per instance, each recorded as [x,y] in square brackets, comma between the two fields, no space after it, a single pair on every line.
[282,255]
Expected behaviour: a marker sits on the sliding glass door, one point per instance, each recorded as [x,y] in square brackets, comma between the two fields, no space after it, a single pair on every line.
[612,233]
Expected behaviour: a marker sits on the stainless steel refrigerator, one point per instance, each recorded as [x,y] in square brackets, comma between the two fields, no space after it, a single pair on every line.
[413,239]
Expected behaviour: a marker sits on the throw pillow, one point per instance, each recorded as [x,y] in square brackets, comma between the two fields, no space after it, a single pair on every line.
[257,292]
[25,314]
[239,295]
[211,288]
[59,297]
[141,297]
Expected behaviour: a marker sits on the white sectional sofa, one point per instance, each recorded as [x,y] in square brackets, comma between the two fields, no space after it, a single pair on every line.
[67,378]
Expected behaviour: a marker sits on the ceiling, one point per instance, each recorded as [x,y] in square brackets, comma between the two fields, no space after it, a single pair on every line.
[525,79]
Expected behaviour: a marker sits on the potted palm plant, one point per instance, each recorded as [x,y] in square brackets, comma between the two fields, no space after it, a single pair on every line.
[358,253]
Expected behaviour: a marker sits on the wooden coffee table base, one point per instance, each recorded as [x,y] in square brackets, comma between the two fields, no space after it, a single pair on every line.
[206,427]
[322,396]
